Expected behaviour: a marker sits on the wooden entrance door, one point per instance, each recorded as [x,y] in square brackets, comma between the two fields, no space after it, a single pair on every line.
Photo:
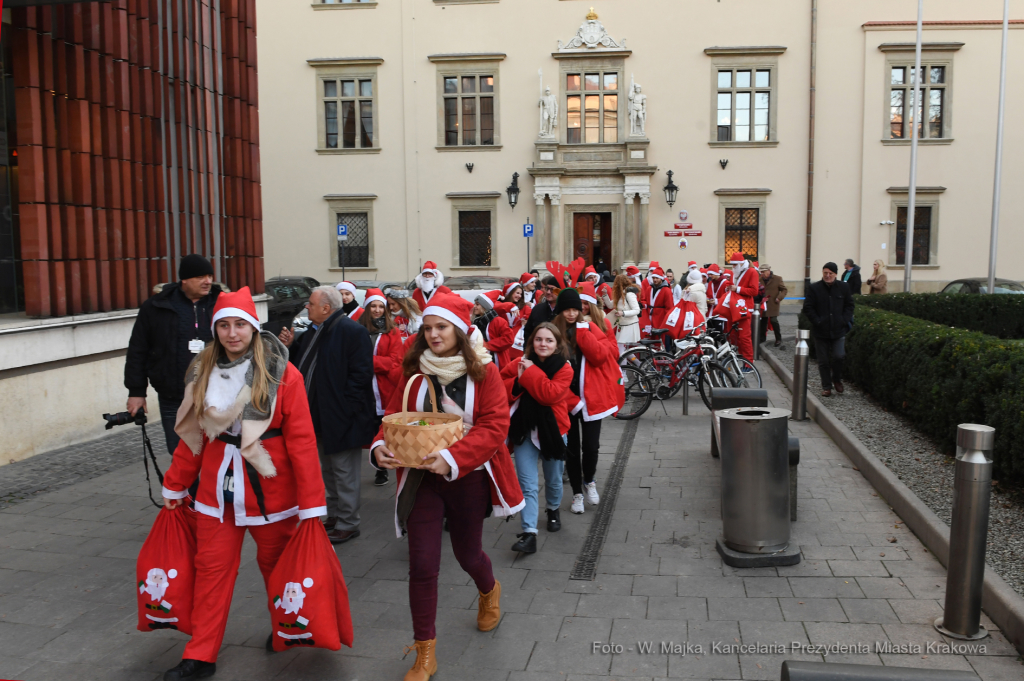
[592,237]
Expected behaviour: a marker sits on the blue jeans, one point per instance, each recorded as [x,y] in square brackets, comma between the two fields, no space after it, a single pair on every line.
[527,455]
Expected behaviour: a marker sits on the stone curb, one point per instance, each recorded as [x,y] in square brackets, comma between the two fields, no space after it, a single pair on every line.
[1001,603]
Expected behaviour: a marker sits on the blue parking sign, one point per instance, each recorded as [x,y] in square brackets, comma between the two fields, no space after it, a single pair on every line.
[527,230]
[342,232]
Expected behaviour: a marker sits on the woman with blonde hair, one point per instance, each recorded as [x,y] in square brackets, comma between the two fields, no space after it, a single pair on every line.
[625,313]
[404,311]
[247,435]
[878,283]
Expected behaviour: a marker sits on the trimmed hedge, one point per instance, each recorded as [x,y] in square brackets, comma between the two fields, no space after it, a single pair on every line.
[1000,315]
[939,377]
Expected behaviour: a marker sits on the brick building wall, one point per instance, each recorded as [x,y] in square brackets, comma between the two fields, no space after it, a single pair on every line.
[137,142]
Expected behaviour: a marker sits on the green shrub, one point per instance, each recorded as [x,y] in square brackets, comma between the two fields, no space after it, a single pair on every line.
[1000,315]
[939,377]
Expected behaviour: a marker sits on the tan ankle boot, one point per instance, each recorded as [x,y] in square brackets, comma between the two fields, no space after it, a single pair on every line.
[426,663]
[489,612]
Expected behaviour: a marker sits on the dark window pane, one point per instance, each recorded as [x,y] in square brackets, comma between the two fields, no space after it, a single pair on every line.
[366,88]
[451,122]
[743,79]
[330,88]
[469,121]
[937,74]
[356,251]
[475,238]
[572,82]
[451,84]
[573,120]
[611,81]
[331,121]
[348,88]
[366,122]
[486,83]
[592,81]
[922,235]
[741,232]
[487,120]
[348,125]
[725,79]
[935,112]
[896,114]
[468,84]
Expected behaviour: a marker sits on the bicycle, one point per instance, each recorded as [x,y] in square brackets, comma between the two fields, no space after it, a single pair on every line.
[695,364]
[639,394]
[743,371]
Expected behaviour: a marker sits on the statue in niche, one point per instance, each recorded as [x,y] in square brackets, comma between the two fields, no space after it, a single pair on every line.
[637,110]
[549,113]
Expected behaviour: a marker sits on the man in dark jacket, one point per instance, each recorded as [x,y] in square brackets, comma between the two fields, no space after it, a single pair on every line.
[829,306]
[543,308]
[172,328]
[337,364]
[852,276]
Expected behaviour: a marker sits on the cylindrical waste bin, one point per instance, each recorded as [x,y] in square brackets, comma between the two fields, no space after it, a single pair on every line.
[754,449]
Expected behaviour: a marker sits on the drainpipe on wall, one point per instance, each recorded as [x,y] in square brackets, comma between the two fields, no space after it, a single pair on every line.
[810,145]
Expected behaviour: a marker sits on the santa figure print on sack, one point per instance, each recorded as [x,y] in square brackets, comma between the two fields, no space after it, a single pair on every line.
[291,603]
[155,586]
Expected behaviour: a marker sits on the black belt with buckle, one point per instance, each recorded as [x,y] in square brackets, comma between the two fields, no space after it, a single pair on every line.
[250,471]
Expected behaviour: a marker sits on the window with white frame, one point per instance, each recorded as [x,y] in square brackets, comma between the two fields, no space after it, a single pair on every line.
[592,107]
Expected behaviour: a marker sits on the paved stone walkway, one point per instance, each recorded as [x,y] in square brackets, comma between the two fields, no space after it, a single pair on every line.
[67,567]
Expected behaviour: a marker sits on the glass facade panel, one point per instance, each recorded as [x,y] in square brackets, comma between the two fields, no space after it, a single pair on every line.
[468,84]
[330,88]
[743,79]
[366,124]
[725,79]
[592,81]
[611,81]
[611,119]
[348,125]
[366,88]
[763,79]
[469,121]
[593,119]
[486,83]
[573,118]
[487,120]
[348,88]
[451,122]
[331,121]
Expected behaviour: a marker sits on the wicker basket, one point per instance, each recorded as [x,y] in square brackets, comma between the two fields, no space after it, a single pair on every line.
[410,443]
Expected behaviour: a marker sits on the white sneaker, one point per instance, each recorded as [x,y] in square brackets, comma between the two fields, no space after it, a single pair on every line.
[577,503]
[591,489]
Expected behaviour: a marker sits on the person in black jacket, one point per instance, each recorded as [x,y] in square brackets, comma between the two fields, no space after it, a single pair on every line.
[852,276]
[337,364]
[829,306]
[543,307]
[172,328]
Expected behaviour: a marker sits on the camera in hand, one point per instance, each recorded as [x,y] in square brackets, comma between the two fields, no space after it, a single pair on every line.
[123,418]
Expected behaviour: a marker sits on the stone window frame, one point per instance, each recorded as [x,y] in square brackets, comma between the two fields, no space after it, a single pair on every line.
[474,201]
[932,54]
[926,196]
[601,93]
[467,64]
[600,63]
[354,68]
[753,58]
[350,4]
[349,203]
[743,198]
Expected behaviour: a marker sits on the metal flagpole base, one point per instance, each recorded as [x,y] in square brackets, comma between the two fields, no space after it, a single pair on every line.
[982,632]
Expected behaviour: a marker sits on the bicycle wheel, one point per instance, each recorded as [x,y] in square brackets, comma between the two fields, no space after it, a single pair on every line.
[734,367]
[713,375]
[635,356]
[638,394]
[661,367]
[750,372]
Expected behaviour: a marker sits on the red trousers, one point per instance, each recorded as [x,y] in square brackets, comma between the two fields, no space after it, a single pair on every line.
[740,338]
[219,552]
[464,502]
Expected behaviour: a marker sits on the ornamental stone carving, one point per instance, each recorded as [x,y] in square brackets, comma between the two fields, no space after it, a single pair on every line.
[637,110]
[549,114]
[590,36]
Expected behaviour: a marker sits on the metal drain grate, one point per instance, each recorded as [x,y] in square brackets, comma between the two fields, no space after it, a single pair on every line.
[586,561]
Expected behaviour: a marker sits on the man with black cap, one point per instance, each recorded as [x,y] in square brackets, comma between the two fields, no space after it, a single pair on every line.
[829,306]
[172,328]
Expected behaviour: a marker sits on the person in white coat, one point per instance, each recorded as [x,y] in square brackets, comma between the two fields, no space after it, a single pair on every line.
[625,312]
[696,292]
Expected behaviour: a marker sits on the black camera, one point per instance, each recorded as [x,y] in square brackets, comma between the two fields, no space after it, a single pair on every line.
[123,418]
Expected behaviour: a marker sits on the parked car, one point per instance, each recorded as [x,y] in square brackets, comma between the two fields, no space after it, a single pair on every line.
[288,297]
[980,285]
[308,281]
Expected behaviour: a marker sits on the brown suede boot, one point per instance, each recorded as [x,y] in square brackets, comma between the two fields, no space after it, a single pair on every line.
[426,663]
[489,613]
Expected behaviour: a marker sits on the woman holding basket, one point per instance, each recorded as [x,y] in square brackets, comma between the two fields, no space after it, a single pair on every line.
[472,479]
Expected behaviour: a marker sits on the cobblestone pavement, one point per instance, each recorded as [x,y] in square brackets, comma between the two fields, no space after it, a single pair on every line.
[67,603]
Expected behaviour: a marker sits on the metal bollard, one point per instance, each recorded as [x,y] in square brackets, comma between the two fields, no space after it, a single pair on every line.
[801,362]
[755,332]
[686,396]
[968,533]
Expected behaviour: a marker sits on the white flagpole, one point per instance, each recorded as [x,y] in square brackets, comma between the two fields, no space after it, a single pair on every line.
[916,104]
[994,239]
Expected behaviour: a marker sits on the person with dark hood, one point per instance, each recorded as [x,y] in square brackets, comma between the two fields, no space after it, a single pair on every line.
[538,387]
[829,306]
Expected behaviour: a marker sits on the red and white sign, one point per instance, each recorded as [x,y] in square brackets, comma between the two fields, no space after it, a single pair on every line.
[673,232]
[684,225]
[692,232]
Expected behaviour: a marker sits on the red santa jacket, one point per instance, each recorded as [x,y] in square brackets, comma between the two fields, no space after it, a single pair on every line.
[422,301]
[661,302]
[749,285]
[550,392]
[499,339]
[356,314]
[388,352]
[483,443]
[298,487]
[602,291]
[599,373]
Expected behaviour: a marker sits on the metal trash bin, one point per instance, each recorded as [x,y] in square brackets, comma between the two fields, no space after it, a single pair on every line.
[755,479]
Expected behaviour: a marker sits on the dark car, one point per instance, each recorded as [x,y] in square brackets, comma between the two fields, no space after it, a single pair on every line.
[980,285]
[288,297]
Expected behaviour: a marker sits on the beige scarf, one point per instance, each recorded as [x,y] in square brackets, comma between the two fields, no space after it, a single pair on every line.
[447,369]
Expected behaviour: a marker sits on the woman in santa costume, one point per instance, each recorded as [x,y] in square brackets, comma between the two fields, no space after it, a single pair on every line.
[246,434]
[540,399]
[467,482]
[388,351]
[404,311]
[595,385]
[529,284]
[514,295]
[489,317]
[659,298]
[429,282]
[350,305]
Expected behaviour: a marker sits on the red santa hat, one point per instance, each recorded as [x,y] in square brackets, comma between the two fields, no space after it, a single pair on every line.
[591,272]
[588,292]
[657,272]
[737,259]
[692,265]
[654,265]
[632,271]
[347,286]
[452,307]
[714,270]
[509,287]
[726,274]
[527,279]
[237,304]
[430,266]
[374,295]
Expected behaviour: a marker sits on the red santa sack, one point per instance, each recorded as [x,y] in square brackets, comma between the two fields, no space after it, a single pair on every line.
[307,592]
[165,573]
[683,319]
